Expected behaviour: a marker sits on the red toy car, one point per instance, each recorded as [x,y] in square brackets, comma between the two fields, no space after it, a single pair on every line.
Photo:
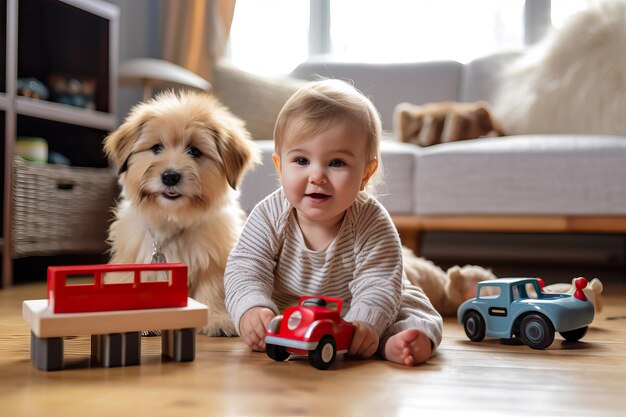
[313,327]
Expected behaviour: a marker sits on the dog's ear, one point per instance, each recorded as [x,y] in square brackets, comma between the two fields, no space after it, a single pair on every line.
[237,151]
[118,145]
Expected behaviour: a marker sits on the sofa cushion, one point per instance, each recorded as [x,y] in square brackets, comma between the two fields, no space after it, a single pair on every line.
[396,192]
[538,174]
[389,84]
[398,167]
[482,76]
[255,99]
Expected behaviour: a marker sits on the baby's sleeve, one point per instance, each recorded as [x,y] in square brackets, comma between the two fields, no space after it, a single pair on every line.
[377,282]
[249,274]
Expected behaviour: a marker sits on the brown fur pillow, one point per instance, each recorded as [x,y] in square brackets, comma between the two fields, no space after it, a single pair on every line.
[434,123]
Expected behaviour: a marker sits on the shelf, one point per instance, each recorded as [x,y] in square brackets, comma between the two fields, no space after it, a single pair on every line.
[65,114]
[55,41]
[55,52]
[103,9]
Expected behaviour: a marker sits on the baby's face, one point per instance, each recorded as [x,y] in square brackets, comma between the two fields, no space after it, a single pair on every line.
[322,175]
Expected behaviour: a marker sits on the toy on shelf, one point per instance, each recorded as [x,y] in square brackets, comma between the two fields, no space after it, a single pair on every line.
[518,309]
[31,149]
[67,89]
[32,87]
[314,328]
[114,313]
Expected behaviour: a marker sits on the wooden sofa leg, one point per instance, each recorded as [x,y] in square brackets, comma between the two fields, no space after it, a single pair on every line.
[410,239]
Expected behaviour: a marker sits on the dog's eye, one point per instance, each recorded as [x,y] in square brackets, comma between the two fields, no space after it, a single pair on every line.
[158,148]
[194,152]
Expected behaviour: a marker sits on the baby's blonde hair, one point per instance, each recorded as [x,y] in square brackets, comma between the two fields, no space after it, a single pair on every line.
[318,105]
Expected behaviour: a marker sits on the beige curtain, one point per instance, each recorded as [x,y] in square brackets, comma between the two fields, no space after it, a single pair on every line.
[195,33]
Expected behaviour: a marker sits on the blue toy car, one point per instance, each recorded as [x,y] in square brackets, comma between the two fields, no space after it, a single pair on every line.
[515,308]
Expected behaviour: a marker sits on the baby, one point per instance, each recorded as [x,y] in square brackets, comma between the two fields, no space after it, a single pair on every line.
[322,233]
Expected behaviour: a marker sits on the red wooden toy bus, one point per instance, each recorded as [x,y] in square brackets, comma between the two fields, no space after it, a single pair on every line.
[102,294]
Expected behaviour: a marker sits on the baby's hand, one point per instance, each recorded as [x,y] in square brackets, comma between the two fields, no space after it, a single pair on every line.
[253,326]
[365,340]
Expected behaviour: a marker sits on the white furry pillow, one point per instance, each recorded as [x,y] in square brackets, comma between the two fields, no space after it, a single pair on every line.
[572,82]
[256,100]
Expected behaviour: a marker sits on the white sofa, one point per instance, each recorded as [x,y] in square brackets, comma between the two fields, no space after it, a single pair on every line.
[527,183]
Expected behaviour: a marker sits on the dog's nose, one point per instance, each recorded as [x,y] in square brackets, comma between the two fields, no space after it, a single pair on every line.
[170,177]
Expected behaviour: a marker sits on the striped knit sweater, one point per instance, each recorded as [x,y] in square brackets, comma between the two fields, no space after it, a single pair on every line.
[271,266]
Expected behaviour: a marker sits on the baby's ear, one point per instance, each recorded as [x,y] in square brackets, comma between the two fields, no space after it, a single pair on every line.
[369,171]
[276,160]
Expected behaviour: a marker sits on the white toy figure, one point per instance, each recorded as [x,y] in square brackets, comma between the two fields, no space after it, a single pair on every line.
[593,291]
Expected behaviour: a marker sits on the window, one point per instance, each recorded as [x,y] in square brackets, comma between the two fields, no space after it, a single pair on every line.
[269,36]
[563,9]
[408,30]
[273,36]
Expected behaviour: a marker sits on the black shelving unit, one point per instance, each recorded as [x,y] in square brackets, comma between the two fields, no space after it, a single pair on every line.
[63,40]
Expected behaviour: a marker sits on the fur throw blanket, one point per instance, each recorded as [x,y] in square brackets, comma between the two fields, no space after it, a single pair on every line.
[574,81]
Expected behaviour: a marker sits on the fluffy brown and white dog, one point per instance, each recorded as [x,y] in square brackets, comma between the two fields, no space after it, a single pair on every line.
[181,157]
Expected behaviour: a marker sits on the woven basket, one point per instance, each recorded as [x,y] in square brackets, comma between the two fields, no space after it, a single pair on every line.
[58,209]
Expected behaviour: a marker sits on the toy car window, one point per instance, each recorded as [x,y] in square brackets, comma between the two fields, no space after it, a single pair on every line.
[489,291]
[332,306]
[314,302]
[526,290]
[531,291]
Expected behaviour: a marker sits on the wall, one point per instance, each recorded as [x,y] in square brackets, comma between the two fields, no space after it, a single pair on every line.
[140,37]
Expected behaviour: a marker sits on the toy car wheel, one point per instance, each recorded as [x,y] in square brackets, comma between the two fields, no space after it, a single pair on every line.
[536,331]
[324,355]
[574,335]
[278,353]
[474,326]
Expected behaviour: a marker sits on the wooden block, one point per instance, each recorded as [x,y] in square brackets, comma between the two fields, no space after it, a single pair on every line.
[44,323]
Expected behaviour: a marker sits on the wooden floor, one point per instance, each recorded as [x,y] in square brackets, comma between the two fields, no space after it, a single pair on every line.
[226,379]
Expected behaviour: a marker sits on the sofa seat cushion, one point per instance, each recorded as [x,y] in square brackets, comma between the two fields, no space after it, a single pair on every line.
[398,167]
[523,175]
[396,192]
